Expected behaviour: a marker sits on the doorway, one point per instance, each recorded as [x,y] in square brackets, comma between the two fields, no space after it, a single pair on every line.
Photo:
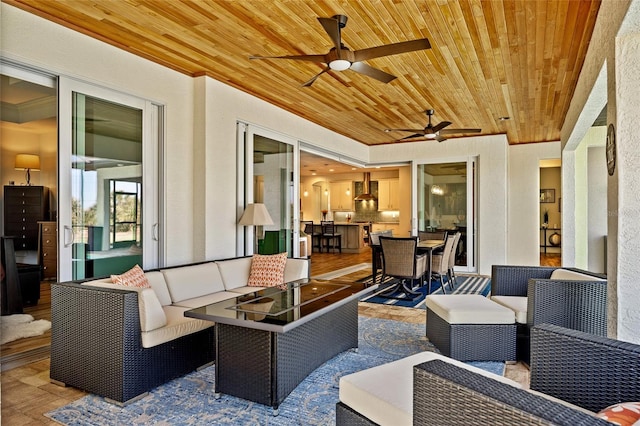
[550,213]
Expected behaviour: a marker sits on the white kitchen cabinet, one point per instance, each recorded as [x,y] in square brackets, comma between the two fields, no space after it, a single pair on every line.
[388,194]
[341,194]
[394,227]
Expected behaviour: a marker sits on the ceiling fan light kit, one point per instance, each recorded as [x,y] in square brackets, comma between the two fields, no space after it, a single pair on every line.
[433,132]
[341,58]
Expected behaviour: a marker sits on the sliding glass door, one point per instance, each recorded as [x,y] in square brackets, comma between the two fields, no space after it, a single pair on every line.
[108,157]
[446,201]
[270,177]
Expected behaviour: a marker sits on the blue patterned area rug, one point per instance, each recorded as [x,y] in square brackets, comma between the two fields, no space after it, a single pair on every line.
[190,400]
[465,284]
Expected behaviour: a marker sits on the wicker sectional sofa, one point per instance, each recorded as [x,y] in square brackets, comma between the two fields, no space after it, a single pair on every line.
[573,376]
[120,342]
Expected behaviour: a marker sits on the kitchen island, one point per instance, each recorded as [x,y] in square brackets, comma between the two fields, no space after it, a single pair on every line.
[353,235]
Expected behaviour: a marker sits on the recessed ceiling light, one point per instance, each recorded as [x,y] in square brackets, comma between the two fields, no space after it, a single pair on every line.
[330,170]
[504,118]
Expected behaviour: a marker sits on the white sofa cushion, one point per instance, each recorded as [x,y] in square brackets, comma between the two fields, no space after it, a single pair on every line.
[152,315]
[156,279]
[565,274]
[384,394]
[235,272]
[177,326]
[517,304]
[208,299]
[246,289]
[469,309]
[188,282]
[296,269]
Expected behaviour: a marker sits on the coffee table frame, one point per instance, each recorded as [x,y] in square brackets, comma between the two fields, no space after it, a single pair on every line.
[264,363]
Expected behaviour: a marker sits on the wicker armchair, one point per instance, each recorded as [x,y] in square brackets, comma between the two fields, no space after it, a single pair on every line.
[400,259]
[589,371]
[440,263]
[570,303]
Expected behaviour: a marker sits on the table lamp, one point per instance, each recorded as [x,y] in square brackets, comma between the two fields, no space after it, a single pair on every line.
[256,215]
[28,162]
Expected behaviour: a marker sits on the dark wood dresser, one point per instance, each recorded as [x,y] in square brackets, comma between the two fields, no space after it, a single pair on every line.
[24,207]
[48,250]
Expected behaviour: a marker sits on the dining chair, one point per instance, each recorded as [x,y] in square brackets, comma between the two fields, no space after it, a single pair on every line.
[440,263]
[433,235]
[308,229]
[400,259]
[452,259]
[330,236]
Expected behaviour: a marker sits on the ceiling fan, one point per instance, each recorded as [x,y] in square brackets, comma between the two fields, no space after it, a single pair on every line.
[433,132]
[340,57]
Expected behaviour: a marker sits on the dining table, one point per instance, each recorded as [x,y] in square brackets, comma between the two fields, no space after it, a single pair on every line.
[427,246]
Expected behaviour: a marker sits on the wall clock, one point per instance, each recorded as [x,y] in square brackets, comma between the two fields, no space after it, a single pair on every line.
[611,149]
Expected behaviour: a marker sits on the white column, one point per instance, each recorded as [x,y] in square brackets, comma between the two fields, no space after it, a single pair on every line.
[623,266]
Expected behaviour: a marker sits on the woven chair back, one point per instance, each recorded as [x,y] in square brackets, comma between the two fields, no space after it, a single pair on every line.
[440,263]
[399,256]
[328,227]
[435,235]
[454,248]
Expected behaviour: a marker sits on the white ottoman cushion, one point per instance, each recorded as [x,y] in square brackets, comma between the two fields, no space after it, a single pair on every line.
[469,309]
[517,304]
[384,394]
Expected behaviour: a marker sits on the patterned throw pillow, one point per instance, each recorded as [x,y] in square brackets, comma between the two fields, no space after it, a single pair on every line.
[623,414]
[134,277]
[267,270]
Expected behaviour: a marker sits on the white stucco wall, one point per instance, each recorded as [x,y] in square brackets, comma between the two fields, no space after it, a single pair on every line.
[524,201]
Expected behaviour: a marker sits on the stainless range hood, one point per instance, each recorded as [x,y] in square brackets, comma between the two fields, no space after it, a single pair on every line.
[366,189]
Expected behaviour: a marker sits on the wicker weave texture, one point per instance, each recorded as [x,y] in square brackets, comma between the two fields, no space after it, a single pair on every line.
[345,416]
[584,369]
[265,367]
[445,394]
[399,256]
[472,342]
[578,305]
[96,344]
[513,280]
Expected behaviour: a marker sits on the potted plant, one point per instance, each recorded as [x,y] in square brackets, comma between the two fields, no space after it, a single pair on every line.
[545,220]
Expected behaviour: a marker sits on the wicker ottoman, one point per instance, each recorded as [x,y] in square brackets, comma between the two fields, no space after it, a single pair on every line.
[471,328]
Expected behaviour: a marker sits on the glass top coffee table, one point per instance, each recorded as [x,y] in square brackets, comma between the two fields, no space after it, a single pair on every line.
[268,341]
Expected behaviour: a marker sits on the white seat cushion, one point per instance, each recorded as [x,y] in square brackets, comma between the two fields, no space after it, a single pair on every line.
[565,274]
[517,304]
[384,394]
[208,299]
[469,309]
[177,326]
[187,282]
[246,289]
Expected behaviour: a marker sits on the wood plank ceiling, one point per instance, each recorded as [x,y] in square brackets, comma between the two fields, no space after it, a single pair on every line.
[488,59]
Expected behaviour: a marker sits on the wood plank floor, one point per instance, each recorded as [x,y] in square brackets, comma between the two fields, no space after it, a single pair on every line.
[26,392]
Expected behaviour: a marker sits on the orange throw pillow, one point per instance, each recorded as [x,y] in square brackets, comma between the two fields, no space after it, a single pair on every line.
[134,277]
[267,270]
[623,414]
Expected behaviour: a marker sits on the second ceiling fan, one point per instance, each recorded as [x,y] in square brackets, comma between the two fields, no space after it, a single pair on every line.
[341,58]
[433,132]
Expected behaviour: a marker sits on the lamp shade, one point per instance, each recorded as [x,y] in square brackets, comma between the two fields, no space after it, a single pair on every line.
[256,214]
[27,162]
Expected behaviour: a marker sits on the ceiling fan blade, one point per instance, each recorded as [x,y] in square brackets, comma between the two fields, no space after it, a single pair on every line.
[315,77]
[312,58]
[441,125]
[416,136]
[391,49]
[332,27]
[452,131]
[440,138]
[365,69]
[419,131]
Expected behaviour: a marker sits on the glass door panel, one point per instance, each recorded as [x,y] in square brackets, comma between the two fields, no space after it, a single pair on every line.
[445,202]
[106,161]
[273,185]
[111,221]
